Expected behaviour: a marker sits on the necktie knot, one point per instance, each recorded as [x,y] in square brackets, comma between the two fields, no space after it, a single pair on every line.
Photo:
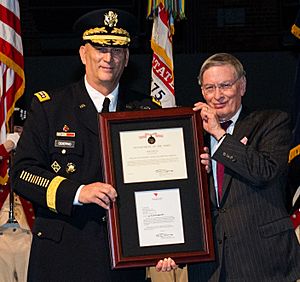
[105,105]
[226,124]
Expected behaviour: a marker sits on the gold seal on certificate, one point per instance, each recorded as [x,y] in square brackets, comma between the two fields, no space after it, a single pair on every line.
[151,140]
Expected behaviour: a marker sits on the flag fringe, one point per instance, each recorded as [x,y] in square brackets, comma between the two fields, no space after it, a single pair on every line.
[176,8]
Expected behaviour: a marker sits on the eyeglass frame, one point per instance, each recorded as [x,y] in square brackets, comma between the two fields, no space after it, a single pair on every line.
[223,86]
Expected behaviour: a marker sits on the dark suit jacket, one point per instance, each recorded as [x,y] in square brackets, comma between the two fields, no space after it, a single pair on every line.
[69,242]
[254,236]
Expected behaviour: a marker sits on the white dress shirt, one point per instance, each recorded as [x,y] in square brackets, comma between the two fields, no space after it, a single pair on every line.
[98,97]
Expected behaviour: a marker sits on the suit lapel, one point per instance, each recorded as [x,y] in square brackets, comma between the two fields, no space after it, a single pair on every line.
[242,127]
[245,127]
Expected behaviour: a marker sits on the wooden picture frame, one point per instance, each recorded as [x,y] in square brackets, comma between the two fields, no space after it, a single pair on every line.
[118,131]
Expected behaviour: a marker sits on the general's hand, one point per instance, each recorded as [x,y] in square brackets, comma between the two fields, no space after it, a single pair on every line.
[98,193]
[167,264]
[210,119]
[206,159]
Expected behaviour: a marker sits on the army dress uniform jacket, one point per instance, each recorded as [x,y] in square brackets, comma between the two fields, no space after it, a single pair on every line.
[59,151]
[254,236]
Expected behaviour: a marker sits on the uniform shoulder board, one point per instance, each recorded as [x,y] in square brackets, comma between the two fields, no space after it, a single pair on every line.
[154,100]
[42,96]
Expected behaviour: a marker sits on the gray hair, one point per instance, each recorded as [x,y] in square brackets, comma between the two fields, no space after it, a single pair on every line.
[221,59]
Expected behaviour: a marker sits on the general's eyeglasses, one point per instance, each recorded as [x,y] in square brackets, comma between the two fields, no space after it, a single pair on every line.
[223,86]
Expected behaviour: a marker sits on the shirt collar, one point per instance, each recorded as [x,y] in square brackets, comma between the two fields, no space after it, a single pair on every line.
[98,97]
[235,117]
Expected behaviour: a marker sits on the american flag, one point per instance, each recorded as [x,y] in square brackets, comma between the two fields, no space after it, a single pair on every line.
[12,78]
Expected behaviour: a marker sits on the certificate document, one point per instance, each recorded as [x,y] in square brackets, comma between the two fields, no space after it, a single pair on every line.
[159,217]
[153,155]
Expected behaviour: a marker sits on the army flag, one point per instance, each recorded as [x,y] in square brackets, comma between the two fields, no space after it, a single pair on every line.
[12,78]
[162,73]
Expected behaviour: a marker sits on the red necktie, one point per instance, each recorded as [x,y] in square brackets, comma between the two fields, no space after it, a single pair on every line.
[220,166]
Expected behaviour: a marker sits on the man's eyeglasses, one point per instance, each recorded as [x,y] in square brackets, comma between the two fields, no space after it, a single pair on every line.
[223,86]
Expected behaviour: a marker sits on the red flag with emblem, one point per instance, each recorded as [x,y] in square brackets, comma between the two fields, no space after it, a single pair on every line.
[162,84]
[163,14]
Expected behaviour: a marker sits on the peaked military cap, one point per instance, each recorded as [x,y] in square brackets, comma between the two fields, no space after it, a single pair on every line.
[107,28]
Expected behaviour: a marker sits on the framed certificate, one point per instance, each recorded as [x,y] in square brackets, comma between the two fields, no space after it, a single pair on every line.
[152,158]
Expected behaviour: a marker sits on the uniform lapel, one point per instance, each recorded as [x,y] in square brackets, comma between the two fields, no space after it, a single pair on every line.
[84,108]
[121,105]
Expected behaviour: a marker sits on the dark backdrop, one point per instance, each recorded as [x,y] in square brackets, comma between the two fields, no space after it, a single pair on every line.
[270,76]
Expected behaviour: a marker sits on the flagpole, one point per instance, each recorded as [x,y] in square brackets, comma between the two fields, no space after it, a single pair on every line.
[12,221]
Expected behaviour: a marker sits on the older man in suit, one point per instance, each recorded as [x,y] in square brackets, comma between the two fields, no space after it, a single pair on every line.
[254,236]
